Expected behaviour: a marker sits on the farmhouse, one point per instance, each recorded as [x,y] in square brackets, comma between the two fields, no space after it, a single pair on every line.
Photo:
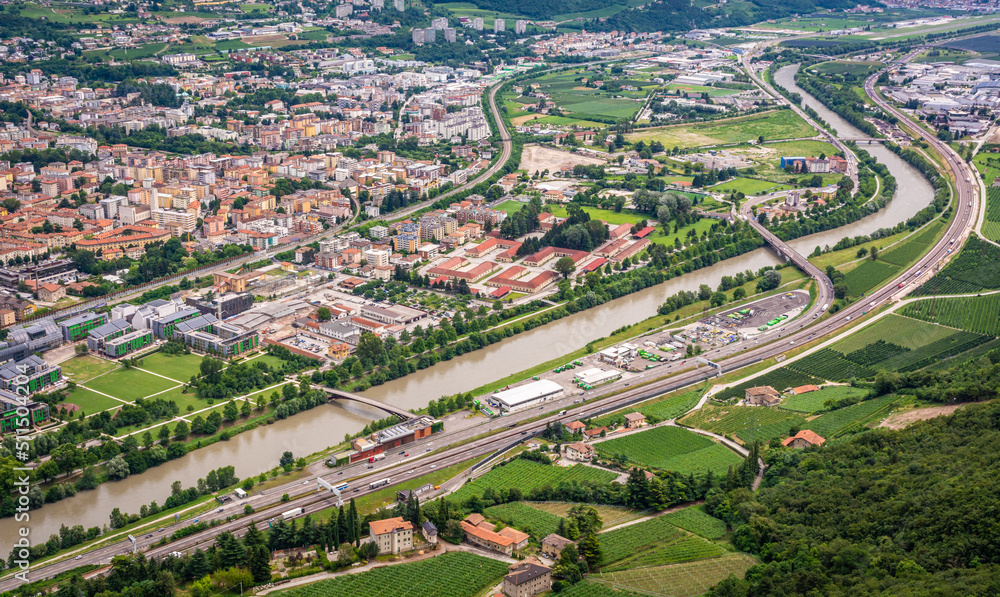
[762,396]
[527,579]
[553,544]
[635,420]
[479,531]
[392,535]
[804,389]
[579,451]
[804,439]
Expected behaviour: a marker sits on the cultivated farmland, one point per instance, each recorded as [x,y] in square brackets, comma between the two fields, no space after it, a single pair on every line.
[688,579]
[811,402]
[830,364]
[778,379]
[974,270]
[868,275]
[621,543]
[592,589]
[682,549]
[520,515]
[695,520]
[454,574]
[979,314]
[611,516]
[895,329]
[654,447]
[852,418]
[527,475]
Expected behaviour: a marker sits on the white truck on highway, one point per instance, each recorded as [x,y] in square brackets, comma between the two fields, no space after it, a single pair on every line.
[293,513]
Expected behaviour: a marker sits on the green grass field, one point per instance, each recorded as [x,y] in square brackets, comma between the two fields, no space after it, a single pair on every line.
[454,574]
[805,147]
[84,368]
[624,542]
[839,67]
[749,186]
[655,447]
[814,401]
[780,124]
[711,91]
[608,215]
[700,227]
[129,384]
[852,418]
[833,366]
[510,206]
[730,420]
[91,402]
[582,102]
[180,367]
[979,314]
[681,549]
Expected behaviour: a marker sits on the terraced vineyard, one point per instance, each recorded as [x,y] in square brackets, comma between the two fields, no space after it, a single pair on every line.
[895,329]
[868,275]
[520,515]
[980,314]
[695,520]
[527,475]
[778,379]
[684,549]
[688,579]
[454,574]
[957,343]
[852,418]
[975,269]
[876,353]
[815,401]
[654,447]
[618,544]
[830,364]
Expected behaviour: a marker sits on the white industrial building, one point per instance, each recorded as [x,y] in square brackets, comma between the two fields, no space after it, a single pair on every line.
[596,377]
[527,395]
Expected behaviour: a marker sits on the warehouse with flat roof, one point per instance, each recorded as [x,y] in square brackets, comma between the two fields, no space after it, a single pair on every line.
[527,395]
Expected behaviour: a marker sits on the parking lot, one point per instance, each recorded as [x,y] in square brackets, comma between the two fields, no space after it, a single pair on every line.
[766,313]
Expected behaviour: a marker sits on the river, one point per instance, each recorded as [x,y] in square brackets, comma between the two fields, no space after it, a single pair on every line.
[319,428]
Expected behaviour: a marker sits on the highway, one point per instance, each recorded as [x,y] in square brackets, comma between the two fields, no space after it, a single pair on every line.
[966,204]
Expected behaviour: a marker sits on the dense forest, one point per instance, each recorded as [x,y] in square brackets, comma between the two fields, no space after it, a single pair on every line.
[681,15]
[909,512]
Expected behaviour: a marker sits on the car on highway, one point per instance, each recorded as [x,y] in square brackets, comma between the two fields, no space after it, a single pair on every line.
[402,452]
[78,558]
[406,454]
[357,489]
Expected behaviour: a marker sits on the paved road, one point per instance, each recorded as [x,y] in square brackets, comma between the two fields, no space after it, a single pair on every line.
[967,203]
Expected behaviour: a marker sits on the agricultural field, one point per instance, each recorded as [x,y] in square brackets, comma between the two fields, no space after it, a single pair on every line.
[537,523]
[711,91]
[655,447]
[694,520]
[453,574]
[682,549]
[811,402]
[688,579]
[952,345]
[991,225]
[909,250]
[716,458]
[587,588]
[852,418]
[979,314]
[780,124]
[974,270]
[527,475]
[84,368]
[621,543]
[179,367]
[830,364]
[730,420]
[611,516]
[580,102]
[778,379]
[895,329]
[800,147]
[868,275]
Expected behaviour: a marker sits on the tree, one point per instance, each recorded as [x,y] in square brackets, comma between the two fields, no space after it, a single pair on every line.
[117,468]
[286,459]
[769,281]
[67,456]
[565,266]
[323,314]
[739,294]
[260,563]
[590,549]
[230,411]
[370,351]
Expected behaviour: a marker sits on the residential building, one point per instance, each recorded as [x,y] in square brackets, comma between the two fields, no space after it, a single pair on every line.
[762,396]
[50,293]
[11,405]
[479,531]
[804,439]
[579,451]
[527,579]
[498,25]
[392,535]
[430,532]
[553,544]
[635,420]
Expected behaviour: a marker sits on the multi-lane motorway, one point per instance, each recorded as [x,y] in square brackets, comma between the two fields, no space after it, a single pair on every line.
[966,205]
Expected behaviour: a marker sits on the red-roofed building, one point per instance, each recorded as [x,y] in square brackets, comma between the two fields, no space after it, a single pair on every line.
[593,266]
[804,439]
[804,389]
[392,535]
[644,232]
[620,231]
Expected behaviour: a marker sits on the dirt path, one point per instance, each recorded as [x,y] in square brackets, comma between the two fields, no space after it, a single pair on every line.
[901,420]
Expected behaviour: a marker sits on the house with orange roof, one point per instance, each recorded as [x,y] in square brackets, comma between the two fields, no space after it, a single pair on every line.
[804,439]
[392,535]
[479,531]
